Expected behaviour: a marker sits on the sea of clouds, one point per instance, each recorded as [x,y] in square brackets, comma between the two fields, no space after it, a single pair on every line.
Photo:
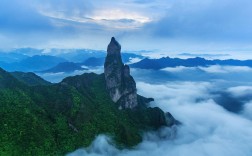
[214,105]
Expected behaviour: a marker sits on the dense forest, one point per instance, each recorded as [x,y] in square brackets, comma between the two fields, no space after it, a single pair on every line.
[53,119]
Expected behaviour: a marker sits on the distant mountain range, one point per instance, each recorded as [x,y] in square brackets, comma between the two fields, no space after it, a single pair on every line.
[78,55]
[69,60]
[190,62]
[25,51]
[90,62]
[34,63]
[64,67]
[94,61]
[57,60]
[12,57]
[71,55]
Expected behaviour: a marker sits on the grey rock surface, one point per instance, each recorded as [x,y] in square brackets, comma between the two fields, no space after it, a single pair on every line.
[119,82]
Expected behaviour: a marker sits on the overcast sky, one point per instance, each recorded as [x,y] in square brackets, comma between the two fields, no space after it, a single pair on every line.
[157,25]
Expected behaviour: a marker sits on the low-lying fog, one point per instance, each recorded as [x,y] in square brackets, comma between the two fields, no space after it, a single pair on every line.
[213,103]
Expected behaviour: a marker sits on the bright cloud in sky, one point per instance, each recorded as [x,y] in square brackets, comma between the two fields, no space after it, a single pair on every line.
[118,14]
[112,18]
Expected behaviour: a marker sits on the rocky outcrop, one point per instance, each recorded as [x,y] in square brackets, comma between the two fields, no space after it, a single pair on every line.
[120,84]
[122,88]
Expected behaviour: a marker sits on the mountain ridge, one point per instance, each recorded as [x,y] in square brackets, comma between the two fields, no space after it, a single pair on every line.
[164,62]
[34,63]
[30,78]
[63,67]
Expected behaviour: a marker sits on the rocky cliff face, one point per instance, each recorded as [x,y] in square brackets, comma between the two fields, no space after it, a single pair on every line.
[119,82]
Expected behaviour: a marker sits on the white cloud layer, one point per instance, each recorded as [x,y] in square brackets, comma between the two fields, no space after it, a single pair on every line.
[207,129]
[211,69]
[240,91]
[225,69]
[247,110]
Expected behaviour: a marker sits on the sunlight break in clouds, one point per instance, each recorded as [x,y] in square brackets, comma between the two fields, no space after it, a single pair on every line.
[112,18]
[127,19]
[118,14]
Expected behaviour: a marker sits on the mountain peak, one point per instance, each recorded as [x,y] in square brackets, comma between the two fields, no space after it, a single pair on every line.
[114,47]
[113,39]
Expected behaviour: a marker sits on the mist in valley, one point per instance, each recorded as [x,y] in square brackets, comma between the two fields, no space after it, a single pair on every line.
[213,104]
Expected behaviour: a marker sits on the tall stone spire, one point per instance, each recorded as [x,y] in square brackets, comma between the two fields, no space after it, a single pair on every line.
[119,82]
